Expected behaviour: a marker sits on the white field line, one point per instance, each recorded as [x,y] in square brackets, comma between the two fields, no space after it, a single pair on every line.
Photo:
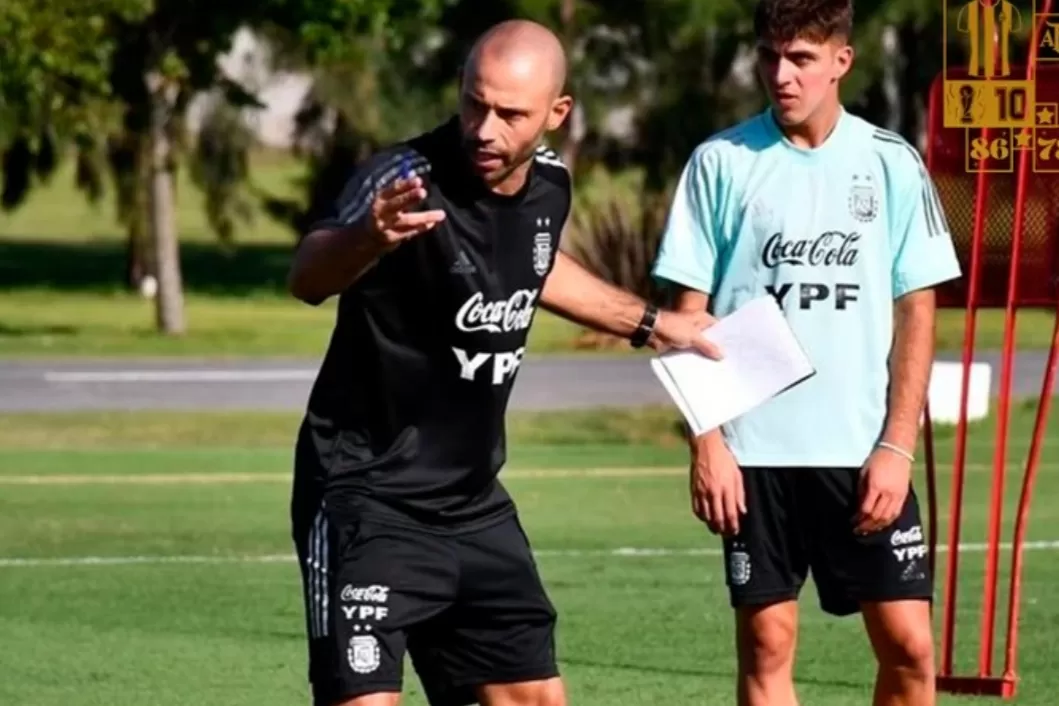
[619,553]
[138,376]
[235,478]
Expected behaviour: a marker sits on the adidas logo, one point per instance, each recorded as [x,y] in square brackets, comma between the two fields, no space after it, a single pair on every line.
[463,265]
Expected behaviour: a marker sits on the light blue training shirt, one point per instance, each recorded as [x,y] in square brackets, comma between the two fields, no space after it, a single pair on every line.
[836,234]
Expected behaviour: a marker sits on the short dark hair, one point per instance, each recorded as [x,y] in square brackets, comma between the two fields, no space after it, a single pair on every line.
[812,20]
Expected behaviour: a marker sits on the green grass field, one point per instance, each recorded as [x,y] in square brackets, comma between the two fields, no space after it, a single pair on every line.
[62,263]
[144,559]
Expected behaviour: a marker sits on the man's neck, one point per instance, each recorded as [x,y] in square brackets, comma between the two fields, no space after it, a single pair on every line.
[513,182]
[817,128]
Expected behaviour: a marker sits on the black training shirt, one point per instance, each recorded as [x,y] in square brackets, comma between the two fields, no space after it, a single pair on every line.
[407,411]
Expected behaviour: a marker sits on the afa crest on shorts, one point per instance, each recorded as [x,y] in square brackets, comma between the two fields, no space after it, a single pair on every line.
[863,198]
[363,654]
[542,247]
[739,568]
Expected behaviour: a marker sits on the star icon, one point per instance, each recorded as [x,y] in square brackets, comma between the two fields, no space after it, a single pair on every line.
[1024,140]
[1045,116]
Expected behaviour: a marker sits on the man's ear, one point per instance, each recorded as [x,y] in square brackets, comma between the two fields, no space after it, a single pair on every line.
[845,61]
[561,108]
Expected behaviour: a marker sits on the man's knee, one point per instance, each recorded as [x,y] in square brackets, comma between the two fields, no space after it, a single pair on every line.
[767,637]
[547,692]
[911,652]
[902,637]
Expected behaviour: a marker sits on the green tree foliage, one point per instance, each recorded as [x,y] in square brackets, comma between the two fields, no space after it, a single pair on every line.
[54,83]
[371,87]
[138,63]
[113,79]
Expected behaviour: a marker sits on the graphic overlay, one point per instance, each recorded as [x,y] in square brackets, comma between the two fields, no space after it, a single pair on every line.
[986,91]
[1006,232]
[1046,139]
[1048,37]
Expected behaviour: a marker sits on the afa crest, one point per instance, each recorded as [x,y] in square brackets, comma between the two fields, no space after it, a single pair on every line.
[542,247]
[363,654]
[739,568]
[863,198]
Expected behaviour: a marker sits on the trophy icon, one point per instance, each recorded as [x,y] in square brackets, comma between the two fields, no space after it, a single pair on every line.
[967,95]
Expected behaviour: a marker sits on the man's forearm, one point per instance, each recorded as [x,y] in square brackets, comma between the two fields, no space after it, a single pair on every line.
[576,294]
[328,261]
[910,365]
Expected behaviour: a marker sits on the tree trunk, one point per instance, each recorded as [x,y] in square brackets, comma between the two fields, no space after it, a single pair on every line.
[169,302]
[135,256]
[140,257]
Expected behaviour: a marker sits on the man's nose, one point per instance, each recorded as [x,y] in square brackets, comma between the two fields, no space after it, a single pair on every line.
[783,73]
[487,128]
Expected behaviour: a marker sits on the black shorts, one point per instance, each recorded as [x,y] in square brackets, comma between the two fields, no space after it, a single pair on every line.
[801,519]
[469,609]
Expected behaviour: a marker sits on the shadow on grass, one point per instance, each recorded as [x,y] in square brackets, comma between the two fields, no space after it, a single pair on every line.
[100,267]
[7,331]
[704,671]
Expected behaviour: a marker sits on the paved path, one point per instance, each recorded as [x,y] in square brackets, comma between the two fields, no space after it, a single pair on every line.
[544,383]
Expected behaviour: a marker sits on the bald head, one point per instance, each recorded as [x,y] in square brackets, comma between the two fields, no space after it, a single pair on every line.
[511,94]
[526,50]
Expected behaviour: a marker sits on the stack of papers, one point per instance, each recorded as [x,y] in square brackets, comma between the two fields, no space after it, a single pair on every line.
[762,359]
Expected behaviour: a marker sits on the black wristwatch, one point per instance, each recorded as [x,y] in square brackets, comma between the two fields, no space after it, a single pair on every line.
[643,332]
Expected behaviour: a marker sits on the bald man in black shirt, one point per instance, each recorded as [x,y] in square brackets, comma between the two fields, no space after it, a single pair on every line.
[441,249]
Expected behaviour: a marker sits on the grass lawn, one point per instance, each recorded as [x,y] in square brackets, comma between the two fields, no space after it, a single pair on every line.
[231,313]
[144,558]
[62,263]
[59,324]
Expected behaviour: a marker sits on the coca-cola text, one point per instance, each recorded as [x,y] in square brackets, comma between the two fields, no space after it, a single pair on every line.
[365,594]
[833,248]
[499,316]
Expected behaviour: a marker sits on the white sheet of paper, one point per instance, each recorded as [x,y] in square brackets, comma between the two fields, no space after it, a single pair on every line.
[762,359]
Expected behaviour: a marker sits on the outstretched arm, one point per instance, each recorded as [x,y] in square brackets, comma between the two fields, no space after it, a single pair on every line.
[574,293]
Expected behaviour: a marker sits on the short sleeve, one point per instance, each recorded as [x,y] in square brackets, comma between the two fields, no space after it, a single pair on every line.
[689,253]
[368,178]
[923,252]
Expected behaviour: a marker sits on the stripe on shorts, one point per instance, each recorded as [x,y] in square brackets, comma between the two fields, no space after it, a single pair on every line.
[317,587]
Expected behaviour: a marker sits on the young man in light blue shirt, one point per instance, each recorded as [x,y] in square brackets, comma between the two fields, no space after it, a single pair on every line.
[840,222]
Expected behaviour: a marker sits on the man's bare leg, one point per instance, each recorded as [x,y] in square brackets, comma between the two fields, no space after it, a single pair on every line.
[901,636]
[387,699]
[765,643]
[546,692]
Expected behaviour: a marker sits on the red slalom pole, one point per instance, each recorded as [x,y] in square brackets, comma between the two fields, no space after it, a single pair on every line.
[959,463]
[1019,540]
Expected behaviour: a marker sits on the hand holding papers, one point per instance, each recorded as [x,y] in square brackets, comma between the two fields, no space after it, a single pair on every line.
[762,358]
